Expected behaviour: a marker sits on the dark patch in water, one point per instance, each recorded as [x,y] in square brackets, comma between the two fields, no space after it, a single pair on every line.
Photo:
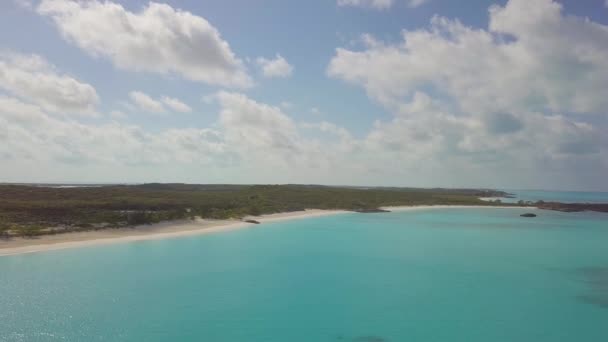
[597,280]
[365,338]
[369,339]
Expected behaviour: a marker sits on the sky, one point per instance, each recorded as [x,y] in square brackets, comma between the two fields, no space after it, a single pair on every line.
[424,93]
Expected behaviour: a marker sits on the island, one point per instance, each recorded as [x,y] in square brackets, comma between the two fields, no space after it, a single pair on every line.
[32,210]
[28,210]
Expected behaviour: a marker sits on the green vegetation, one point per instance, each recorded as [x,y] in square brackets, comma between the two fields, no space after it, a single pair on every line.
[33,210]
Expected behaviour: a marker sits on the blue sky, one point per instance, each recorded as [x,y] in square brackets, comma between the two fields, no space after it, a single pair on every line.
[375,92]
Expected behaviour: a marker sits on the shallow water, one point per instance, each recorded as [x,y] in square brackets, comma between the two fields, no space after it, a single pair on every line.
[427,275]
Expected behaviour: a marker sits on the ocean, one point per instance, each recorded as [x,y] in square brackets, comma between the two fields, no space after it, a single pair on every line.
[422,275]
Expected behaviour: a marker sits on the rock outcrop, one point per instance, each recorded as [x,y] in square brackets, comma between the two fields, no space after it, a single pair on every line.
[528,215]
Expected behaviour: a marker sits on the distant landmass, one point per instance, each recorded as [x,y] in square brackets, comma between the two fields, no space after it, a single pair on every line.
[38,209]
[35,209]
[572,207]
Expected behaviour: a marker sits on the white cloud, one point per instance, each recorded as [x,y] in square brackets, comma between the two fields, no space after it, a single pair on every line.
[27,133]
[176,105]
[531,57]
[146,103]
[256,126]
[430,143]
[519,103]
[157,39]
[379,4]
[330,128]
[376,4]
[510,102]
[416,3]
[277,67]
[249,135]
[424,144]
[271,145]
[33,79]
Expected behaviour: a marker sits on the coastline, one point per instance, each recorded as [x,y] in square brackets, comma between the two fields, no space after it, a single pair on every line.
[164,230]
[440,206]
[175,229]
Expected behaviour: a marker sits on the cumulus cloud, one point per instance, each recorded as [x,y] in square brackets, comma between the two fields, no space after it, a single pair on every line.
[516,93]
[28,133]
[277,67]
[330,128]
[158,39]
[34,79]
[424,142]
[257,127]
[379,4]
[146,103]
[519,102]
[531,56]
[246,130]
[176,105]
[426,137]
[271,142]
[249,136]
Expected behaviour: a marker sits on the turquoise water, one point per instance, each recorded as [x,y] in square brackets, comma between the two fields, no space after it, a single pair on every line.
[428,275]
[557,196]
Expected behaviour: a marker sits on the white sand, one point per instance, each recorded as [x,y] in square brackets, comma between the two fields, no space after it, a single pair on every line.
[174,229]
[142,233]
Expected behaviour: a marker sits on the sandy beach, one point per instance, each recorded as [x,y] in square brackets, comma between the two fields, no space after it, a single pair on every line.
[147,232]
[175,229]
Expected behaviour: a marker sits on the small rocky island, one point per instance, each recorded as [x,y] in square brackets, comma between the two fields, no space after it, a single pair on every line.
[528,215]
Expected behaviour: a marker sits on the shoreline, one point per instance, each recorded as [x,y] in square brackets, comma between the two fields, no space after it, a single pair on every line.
[158,231]
[176,229]
[443,206]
